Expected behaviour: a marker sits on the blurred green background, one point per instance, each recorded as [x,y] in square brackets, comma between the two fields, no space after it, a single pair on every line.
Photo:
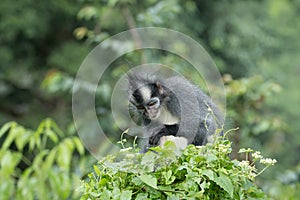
[255,44]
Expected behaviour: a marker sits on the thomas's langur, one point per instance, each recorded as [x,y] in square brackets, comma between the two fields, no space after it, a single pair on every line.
[166,107]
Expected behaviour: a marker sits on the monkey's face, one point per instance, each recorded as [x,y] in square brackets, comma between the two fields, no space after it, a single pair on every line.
[153,108]
[147,100]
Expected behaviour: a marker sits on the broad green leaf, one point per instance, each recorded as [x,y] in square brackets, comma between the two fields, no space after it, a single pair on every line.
[15,132]
[50,159]
[64,155]
[105,195]
[7,189]
[149,180]
[39,160]
[23,139]
[116,193]
[141,196]
[137,181]
[103,181]
[172,197]
[9,162]
[126,195]
[55,128]
[5,127]
[224,182]
[61,184]
[148,161]
[52,135]
[79,146]
[209,173]
[211,157]
[168,176]
[25,188]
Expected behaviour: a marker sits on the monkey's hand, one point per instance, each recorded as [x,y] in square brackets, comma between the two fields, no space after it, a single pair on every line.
[154,140]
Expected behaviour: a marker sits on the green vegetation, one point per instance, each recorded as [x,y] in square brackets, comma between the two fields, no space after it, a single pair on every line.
[39,164]
[255,45]
[203,172]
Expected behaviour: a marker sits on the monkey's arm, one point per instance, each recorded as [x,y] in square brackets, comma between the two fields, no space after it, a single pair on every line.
[167,130]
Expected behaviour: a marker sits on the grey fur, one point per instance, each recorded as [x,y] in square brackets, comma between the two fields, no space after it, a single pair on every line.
[199,117]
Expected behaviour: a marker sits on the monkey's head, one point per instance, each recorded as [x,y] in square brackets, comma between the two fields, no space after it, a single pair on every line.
[148,99]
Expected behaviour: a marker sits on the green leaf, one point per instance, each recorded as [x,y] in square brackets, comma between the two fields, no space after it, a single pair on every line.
[116,193]
[79,146]
[49,159]
[172,197]
[97,170]
[141,196]
[23,139]
[211,157]
[37,139]
[209,173]
[224,182]
[148,161]
[55,128]
[64,155]
[126,195]
[105,195]
[52,135]
[15,132]
[149,180]
[26,187]
[39,160]
[137,181]
[168,176]
[103,181]
[9,162]
[5,128]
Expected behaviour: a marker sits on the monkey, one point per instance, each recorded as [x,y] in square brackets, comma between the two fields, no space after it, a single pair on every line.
[171,106]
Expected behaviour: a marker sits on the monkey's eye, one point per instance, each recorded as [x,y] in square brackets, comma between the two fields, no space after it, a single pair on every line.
[153,102]
[140,107]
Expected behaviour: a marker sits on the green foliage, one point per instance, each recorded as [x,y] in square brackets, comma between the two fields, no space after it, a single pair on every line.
[247,109]
[197,172]
[243,37]
[38,164]
[34,40]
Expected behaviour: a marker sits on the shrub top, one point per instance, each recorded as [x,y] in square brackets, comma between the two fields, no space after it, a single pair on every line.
[197,172]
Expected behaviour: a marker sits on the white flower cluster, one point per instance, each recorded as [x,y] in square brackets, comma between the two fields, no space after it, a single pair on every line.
[225,148]
[268,161]
[257,155]
[249,171]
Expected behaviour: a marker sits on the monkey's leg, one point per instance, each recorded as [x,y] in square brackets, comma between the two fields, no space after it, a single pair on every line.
[154,140]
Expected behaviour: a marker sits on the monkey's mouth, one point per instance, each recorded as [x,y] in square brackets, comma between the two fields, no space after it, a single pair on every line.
[153,114]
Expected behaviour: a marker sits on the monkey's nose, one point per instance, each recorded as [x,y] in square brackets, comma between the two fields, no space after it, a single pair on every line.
[152,114]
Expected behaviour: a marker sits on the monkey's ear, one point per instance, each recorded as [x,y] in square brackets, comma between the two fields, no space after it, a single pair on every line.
[160,88]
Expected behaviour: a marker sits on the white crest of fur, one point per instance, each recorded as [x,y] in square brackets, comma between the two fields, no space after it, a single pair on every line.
[146,93]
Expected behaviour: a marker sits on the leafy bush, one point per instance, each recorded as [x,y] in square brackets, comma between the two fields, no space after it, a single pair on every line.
[38,164]
[197,172]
